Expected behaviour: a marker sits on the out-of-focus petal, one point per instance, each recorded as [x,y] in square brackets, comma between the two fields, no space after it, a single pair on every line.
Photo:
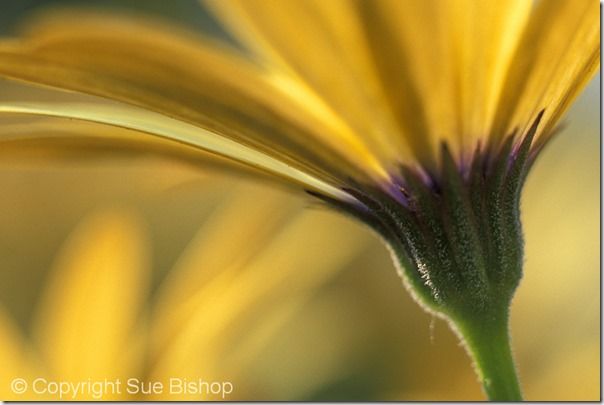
[238,229]
[15,359]
[189,78]
[231,305]
[93,301]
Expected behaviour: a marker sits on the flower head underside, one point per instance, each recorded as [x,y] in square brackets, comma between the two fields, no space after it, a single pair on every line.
[328,91]
[421,118]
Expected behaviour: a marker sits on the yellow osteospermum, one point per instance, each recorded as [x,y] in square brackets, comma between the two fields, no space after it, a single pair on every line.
[420,118]
[100,333]
[334,89]
[86,324]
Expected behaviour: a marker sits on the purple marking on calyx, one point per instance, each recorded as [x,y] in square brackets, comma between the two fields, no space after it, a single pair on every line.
[395,189]
[359,206]
[464,164]
[355,202]
[514,153]
[429,179]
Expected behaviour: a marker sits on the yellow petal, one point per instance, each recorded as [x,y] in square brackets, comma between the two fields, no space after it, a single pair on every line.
[168,128]
[559,53]
[183,76]
[15,363]
[440,65]
[445,63]
[90,308]
[224,308]
[59,140]
[487,34]
[242,223]
[323,44]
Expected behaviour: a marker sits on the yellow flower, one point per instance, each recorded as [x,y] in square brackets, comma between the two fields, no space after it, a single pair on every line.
[420,118]
[101,333]
[330,90]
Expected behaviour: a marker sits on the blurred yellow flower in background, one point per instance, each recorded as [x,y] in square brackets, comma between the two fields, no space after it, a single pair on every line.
[210,317]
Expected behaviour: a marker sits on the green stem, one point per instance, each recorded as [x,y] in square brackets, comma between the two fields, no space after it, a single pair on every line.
[488,343]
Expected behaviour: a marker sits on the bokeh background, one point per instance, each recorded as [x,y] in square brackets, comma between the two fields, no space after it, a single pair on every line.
[218,276]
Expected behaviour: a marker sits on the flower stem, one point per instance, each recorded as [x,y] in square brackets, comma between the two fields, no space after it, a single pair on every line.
[488,343]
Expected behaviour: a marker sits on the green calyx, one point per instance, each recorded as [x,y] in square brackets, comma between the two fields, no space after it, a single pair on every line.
[457,241]
[456,235]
